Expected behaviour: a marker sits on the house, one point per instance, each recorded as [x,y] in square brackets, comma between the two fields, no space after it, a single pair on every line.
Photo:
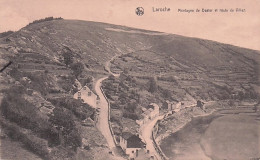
[168,105]
[149,113]
[131,144]
[87,96]
[155,110]
[172,106]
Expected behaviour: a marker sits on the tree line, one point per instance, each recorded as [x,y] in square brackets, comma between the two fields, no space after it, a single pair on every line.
[44,20]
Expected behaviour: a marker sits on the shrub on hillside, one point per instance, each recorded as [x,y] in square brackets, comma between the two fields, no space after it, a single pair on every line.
[64,121]
[153,87]
[66,83]
[67,56]
[79,109]
[77,68]
[129,115]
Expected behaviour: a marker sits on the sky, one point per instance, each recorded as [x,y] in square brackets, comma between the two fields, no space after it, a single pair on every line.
[237,28]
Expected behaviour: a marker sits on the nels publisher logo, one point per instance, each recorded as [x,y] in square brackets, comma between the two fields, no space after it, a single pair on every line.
[139,11]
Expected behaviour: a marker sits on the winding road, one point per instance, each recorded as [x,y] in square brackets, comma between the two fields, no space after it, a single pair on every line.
[103,118]
[103,124]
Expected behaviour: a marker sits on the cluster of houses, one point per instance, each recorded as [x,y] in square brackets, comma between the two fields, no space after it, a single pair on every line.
[149,113]
[130,143]
[177,106]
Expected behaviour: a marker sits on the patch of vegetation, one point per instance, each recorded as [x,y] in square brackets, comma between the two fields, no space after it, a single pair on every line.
[77,69]
[64,122]
[67,82]
[59,130]
[79,109]
[67,56]
[19,110]
[127,98]
[44,20]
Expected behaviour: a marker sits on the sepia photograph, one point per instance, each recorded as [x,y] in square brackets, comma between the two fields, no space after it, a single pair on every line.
[129,80]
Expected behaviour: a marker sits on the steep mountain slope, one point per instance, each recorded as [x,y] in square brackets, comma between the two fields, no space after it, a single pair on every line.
[49,59]
[205,69]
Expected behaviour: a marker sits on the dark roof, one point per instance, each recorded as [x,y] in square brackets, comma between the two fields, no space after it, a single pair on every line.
[133,141]
[126,135]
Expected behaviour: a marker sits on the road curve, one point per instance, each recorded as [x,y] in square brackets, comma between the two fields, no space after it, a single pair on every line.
[103,125]
[103,118]
[146,133]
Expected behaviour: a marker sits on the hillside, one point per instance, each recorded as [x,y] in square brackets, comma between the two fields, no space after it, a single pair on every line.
[48,61]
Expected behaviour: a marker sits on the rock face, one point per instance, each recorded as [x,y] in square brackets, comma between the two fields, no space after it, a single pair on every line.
[48,57]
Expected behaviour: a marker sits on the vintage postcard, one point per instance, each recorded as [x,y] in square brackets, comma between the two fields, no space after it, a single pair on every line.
[129,79]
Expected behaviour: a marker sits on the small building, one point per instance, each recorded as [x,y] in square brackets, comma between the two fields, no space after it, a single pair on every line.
[155,110]
[150,112]
[168,105]
[173,106]
[131,144]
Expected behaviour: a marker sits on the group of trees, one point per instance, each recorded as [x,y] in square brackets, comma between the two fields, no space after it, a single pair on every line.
[64,122]
[153,87]
[68,59]
[127,96]
[45,19]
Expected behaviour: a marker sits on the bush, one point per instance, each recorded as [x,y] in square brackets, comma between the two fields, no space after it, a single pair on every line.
[67,83]
[67,56]
[152,85]
[63,119]
[129,115]
[79,109]
[77,68]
